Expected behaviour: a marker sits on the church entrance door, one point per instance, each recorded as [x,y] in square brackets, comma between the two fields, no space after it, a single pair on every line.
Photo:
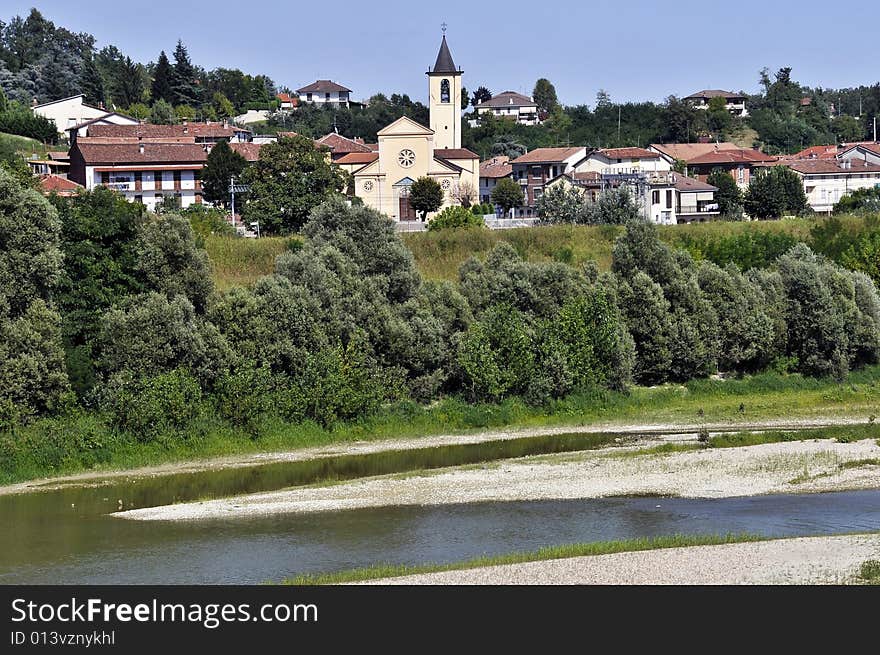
[407,213]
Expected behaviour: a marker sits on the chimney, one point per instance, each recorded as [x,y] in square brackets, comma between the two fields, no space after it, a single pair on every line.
[185,128]
[184,122]
[34,102]
[141,147]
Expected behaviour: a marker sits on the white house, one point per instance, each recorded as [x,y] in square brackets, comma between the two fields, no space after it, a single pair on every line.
[868,152]
[325,92]
[145,171]
[68,112]
[827,180]
[511,105]
[624,161]
[109,118]
[735,103]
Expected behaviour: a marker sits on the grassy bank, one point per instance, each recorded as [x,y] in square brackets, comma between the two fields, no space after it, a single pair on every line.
[438,255]
[83,442]
[240,262]
[25,145]
[549,553]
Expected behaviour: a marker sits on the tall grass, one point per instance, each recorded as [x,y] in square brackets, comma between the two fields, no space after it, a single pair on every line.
[438,255]
[25,145]
[241,262]
[549,553]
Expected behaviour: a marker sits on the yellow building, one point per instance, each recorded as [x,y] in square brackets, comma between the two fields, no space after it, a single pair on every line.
[408,151]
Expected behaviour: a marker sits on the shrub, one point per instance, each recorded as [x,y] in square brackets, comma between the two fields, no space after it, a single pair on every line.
[153,407]
[455,217]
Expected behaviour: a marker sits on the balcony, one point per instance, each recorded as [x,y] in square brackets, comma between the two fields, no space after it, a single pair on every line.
[120,186]
[701,208]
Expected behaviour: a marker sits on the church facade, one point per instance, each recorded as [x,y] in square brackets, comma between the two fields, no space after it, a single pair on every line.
[408,150]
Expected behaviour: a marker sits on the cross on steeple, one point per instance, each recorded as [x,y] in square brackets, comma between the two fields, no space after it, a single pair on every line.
[443,27]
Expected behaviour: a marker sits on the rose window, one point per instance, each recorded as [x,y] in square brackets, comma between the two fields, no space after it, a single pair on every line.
[406,158]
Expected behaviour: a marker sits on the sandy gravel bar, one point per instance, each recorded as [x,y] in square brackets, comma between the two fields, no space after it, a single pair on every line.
[814,465]
[363,447]
[810,560]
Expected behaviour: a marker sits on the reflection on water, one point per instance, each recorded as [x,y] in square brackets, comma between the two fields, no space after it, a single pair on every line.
[74,547]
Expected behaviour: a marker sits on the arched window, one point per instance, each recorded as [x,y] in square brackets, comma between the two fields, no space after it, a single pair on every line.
[444,91]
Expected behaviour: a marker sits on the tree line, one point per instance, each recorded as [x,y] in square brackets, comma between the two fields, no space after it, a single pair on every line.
[110,312]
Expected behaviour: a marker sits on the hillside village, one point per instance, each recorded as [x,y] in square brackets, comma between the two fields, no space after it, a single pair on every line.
[671,182]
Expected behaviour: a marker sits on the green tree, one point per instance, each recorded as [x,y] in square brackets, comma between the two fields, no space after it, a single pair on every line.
[562,203]
[614,207]
[455,217]
[774,192]
[728,196]
[680,120]
[185,87]
[507,194]
[544,94]
[171,262]
[648,319]
[222,164]
[32,376]
[162,113]
[99,235]
[90,81]
[161,88]
[465,98]
[482,94]
[222,106]
[425,195]
[719,119]
[139,111]
[290,179]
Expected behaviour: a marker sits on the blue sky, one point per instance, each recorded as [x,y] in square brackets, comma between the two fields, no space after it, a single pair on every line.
[635,50]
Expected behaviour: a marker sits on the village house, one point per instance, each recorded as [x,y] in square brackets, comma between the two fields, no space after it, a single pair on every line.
[287,101]
[511,105]
[143,171]
[491,172]
[702,159]
[826,181]
[210,132]
[624,160]
[323,92]
[534,169]
[735,103]
[69,112]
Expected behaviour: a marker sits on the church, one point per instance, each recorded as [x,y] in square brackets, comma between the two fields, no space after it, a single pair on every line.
[408,150]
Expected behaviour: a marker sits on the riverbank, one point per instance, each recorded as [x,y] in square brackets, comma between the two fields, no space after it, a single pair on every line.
[639,470]
[805,560]
[647,434]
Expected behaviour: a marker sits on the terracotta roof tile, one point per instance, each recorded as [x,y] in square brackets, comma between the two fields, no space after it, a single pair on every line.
[60,185]
[250,151]
[629,153]
[739,155]
[130,153]
[146,130]
[687,151]
[322,86]
[827,166]
[455,153]
[508,99]
[714,93]
[339,144]
[497,167]
[547,155]
[358,158]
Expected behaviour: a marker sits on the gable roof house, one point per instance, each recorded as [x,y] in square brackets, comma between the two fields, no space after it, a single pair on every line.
[491,171]
[827,180]
[143,171]
[511,105]
[735,103]
[534,169]
[325,92]
[68,112]
[625,160]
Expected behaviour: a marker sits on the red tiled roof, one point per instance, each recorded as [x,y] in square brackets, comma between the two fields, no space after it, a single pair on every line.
[60,185]
[687,151]
[146,130]
[339,144]
[683,183]
[629,153]
[872,146]
[497,167]
[58,155]
[737,156]
[250,151]
[815,152]
[586,176]
[358,158]
[546,155]
[287,98]
[322,86]
[826,166]
[455,153]
[128,153]
[374,147]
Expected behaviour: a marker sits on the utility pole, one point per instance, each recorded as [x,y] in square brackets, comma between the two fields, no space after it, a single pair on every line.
[232,191]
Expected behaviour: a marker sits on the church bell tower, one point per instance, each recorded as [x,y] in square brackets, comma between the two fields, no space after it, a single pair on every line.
[444,83]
